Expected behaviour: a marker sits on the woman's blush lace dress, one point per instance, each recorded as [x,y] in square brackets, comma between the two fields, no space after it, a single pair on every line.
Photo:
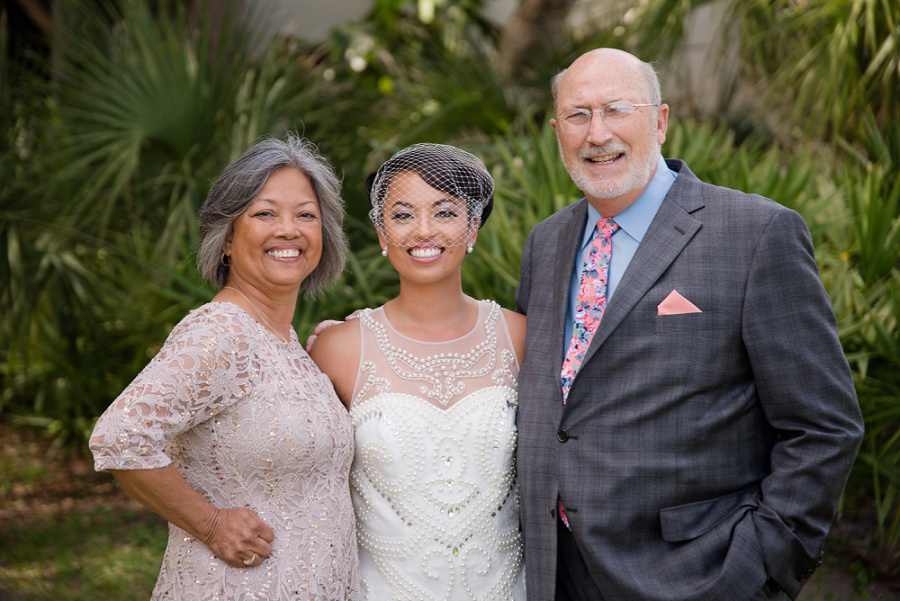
[249,422]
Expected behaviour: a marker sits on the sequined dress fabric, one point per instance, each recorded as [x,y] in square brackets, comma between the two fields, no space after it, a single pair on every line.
[249,422]
[433,480]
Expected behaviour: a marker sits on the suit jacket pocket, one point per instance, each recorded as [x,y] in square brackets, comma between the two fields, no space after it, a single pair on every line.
[688,521]
[707,320]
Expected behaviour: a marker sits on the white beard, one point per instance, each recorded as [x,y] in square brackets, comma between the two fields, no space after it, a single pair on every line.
[605,188]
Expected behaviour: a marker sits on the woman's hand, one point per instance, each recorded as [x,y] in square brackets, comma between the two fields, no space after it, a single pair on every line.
[236,536]
[324,325]
[239,538]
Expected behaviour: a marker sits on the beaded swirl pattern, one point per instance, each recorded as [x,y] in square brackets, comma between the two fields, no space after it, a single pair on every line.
[433,479]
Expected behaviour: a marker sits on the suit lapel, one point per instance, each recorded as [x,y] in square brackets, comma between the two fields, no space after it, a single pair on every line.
[571,233]
[669,232]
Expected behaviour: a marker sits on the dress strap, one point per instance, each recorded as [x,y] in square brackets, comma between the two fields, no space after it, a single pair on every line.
[365,346]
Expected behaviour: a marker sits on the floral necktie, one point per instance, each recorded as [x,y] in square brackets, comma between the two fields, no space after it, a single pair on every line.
[589,308]
[591,302]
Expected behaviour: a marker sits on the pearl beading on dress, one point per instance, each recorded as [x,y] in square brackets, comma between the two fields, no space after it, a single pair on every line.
[433,479]
[443,373]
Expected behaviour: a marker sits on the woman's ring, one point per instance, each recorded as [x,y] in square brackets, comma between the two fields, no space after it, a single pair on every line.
[250,561]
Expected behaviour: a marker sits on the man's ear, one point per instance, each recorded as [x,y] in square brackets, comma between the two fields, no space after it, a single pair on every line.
[662,123]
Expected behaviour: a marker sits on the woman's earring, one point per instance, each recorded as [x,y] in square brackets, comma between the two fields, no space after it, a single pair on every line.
[384,251]
[224,256]
[470,247]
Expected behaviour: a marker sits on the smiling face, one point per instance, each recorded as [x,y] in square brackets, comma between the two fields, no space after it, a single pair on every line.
[422,225]
[277,240]
[612,163]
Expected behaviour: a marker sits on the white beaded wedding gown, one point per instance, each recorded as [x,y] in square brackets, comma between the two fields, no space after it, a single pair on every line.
[433,478]
[249,422]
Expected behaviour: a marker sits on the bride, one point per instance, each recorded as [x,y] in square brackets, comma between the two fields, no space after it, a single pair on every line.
[430,383]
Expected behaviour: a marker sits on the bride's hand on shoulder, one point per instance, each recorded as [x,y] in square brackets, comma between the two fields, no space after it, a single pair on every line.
[324,325]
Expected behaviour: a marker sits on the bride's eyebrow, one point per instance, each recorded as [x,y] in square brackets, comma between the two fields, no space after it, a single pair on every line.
[449,199]
[401,203]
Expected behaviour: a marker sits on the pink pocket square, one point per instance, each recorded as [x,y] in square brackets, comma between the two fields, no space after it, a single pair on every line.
[675,304]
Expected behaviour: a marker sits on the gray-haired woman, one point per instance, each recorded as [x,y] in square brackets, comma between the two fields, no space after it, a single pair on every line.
[231,432]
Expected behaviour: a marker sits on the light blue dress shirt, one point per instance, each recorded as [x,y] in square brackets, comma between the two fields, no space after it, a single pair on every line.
[633,223]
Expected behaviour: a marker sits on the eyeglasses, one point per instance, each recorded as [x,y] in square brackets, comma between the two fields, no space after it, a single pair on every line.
[575,120]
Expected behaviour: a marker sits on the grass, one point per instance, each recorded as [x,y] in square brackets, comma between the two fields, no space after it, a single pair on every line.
[103,553]
[68,533]
[13,473]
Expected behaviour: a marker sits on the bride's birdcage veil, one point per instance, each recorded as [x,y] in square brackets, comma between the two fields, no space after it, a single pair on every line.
[430,193]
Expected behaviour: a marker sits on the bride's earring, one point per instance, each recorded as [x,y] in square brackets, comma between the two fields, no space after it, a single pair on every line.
[384,251]
[470,247]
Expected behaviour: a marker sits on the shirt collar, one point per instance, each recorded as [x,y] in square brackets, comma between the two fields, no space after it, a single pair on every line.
[635,220]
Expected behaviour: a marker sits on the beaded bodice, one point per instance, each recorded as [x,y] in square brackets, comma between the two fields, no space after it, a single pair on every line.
[433,479]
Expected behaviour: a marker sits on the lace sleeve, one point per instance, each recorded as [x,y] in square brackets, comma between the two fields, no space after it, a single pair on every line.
[203,368]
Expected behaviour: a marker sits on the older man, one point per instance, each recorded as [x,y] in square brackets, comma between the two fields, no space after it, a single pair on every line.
[687,418]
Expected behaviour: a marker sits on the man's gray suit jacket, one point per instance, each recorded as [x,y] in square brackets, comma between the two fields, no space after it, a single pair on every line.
[702,454]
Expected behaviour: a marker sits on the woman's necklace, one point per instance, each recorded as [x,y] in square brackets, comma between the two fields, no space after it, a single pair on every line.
[258,312]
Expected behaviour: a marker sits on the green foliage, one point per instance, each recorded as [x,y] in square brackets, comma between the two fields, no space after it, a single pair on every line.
[874,206]
[819,66]
[426,74]
[826,50]
[864,282]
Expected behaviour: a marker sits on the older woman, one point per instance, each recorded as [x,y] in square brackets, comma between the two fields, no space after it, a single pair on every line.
[231,433]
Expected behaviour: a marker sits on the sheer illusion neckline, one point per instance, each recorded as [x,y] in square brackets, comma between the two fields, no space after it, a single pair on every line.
[387,322]
[245,313]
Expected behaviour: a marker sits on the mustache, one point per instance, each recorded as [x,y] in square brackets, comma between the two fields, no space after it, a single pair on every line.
[593,151]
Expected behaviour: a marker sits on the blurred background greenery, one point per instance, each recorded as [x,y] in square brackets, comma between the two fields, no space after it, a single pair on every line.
[116,115]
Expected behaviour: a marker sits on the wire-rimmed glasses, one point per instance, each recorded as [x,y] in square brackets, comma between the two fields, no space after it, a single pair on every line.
[578,119]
